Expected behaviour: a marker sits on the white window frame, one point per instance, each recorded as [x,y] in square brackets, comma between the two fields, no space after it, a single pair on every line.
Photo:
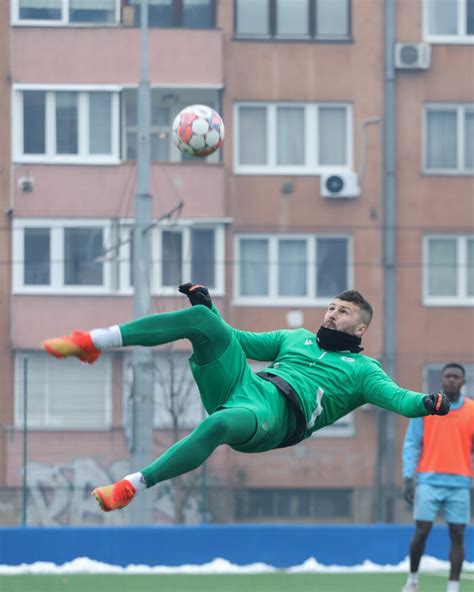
[183,226]
[461,38]
[311,122]
[461,298]
[460,110]
[50,156]
[45,424]
[63,21]
[56,285]
[272,298]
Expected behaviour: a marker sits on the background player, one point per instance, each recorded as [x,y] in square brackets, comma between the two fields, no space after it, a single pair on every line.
[440,452]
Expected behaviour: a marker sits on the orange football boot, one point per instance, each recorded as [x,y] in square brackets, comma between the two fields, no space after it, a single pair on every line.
[114,496]
[78,344]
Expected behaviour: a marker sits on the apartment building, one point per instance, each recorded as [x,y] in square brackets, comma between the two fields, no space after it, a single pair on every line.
[289,213]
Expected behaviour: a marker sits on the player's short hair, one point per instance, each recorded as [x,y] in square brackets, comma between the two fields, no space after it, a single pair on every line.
[356,297]
[454,365]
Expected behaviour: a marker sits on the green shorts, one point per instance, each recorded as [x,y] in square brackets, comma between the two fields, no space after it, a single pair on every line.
[229,382]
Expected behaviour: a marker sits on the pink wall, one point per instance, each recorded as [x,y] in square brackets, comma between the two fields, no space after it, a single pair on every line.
[108,56]
[108,191]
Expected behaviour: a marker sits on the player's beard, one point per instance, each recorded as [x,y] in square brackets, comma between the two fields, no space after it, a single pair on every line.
[334,340]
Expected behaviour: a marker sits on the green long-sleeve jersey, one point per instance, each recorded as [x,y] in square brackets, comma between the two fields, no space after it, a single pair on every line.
[329,384]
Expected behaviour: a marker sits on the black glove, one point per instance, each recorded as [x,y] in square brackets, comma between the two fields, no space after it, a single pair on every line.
[408,490]
[437,404]
[196,293]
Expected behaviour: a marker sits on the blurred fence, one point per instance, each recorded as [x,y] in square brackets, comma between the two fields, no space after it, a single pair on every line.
[64,432]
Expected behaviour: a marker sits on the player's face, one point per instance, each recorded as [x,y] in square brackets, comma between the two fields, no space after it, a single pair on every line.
[452,380]
[344,316]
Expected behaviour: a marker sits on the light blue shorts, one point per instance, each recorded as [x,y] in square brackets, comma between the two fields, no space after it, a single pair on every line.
[455,502]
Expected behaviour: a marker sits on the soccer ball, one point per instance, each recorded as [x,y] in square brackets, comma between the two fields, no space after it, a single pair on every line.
[198,130]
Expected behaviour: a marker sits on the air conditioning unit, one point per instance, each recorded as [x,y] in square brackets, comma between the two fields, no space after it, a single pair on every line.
[412,56]
[343,184]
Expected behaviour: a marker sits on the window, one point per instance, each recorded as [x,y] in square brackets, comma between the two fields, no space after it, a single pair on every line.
[449,139]
[293,19]
[188,255]
[286,138]
[449,270]
[60,256]
[291,270]
[432,377]
[264,504]
[36,267]
[165,105]
[66,126]
[181,253]
[82,249]
[101,12]
[190,14]
[64,396]
[449,21]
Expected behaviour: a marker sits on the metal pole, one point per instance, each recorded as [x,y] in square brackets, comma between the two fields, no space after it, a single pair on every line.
[389,242]
[25,440]
[141,407]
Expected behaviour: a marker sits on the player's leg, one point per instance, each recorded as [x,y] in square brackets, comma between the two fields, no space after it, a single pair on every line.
[425,510]
[456,553]
[208,334]
[228,426]
[457,512]
[417,546]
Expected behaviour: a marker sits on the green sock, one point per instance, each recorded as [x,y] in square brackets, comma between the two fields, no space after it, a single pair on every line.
[227,426]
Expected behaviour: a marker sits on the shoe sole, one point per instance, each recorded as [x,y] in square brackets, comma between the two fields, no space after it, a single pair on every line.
[83,356]
[52,351]
[96,494]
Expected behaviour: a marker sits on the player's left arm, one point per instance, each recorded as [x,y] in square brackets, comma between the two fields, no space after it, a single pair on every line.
[379,389]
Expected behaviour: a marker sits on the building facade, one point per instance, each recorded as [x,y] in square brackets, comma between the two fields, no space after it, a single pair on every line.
[264,223]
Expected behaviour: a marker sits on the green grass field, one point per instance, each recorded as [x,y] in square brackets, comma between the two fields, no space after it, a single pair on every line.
[278,582]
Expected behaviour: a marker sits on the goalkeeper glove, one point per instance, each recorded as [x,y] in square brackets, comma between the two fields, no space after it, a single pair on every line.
[437,404]
[409,491]
[196,293]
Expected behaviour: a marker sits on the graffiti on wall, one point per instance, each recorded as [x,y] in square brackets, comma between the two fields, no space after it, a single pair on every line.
[60,494]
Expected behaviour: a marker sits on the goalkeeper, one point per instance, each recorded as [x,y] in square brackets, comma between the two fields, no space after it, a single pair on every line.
[312,381]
